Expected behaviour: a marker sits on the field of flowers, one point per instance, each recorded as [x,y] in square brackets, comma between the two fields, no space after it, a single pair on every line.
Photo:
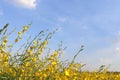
[28,64]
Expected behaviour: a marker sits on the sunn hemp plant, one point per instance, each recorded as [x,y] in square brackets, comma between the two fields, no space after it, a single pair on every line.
[26,63]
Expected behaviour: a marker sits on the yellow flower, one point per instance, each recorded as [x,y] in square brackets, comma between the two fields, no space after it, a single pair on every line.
[45,75]
[54,63]
[35,42]
[37,73]
[30,52]
[20,78]
[4,42]
[40,51]
[51,58]
[23,70]
[6,57]
[10,70]
[55,53]
[34,59]
[45,42]
[19,33]
[67,73]
[16,40]
[27,64]
[35,65]
[5,63]
[25,27]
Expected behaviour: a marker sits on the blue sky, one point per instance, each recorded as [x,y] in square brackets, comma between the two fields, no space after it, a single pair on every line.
[92,23]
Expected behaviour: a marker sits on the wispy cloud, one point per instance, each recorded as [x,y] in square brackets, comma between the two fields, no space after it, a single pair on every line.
[117,50]
[116,43]
[62,19]
[29,4]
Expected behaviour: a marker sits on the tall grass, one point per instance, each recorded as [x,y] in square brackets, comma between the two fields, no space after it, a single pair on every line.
[27,63]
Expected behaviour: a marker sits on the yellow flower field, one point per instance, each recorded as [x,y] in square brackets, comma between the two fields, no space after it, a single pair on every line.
[29,65]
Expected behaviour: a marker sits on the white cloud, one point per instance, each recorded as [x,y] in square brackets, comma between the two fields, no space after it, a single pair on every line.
[116,42]
[113,48]
[30,4]
[117,50]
